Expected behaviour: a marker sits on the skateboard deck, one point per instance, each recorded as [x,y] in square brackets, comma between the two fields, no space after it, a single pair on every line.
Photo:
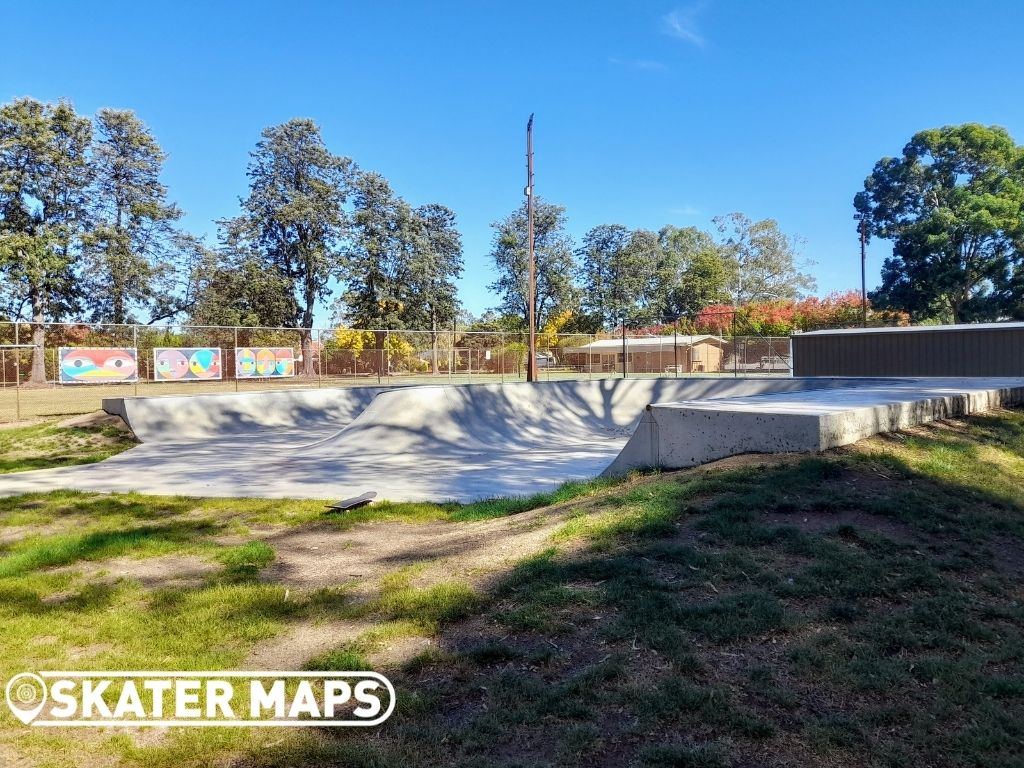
[352,503]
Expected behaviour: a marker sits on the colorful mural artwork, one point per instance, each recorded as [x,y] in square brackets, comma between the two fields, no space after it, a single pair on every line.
[186,363]
[98,365]
[269,362]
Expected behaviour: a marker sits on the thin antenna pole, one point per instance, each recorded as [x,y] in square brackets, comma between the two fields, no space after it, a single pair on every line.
[863,276]
[531,363]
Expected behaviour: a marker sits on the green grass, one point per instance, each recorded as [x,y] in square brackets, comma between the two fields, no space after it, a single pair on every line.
[42,446]
[861,607]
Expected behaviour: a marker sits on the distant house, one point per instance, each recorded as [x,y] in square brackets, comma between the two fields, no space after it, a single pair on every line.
[649,354]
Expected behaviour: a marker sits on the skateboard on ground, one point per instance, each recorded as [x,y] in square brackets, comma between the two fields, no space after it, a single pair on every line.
[356,501]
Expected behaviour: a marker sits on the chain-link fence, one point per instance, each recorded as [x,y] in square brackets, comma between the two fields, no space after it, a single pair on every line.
[68,368]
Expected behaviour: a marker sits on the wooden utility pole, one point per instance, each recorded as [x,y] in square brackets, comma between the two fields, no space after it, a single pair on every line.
[863,275]
[531,362]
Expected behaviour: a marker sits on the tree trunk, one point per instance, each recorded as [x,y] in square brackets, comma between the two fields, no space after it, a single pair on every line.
[309,297]
[306,342]
[379,353]
[38,375]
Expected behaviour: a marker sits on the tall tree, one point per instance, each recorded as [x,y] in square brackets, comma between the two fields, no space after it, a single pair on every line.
[601,275]
[556,291]
[953,207]
[645,300]
[763,261]
[436,265]
[235,288]
[43,175]
[383,225]
[293,220]
[616,273]
[696,271]
[131,246]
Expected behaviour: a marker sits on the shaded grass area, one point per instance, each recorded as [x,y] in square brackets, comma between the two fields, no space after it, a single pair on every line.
[859,608]
[42,446]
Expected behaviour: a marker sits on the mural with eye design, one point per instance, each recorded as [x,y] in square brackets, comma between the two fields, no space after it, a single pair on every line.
[186,363]
[264,362]
[98,365]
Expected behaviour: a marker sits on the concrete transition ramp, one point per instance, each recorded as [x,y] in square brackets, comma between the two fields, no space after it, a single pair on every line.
[184,418]
[469,442]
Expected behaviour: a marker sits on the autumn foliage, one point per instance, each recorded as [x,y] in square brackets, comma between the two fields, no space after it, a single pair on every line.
[780,318]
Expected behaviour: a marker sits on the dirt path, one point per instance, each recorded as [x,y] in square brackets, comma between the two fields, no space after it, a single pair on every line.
[358,558]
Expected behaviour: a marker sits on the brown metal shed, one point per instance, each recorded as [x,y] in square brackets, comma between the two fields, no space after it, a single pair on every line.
[982,349]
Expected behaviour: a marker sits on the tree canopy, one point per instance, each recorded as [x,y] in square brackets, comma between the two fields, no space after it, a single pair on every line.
[130,254]
[953,206]
[556,266]
[293,221]
[762,262]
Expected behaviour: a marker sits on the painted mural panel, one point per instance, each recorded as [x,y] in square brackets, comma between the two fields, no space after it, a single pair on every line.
[264,362]
[98,365]
[186,363]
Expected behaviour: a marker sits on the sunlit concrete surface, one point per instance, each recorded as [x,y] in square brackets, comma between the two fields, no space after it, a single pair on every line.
[469,442]
[686,434]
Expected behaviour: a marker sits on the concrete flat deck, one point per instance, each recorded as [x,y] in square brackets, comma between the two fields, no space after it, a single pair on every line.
[469,442]
[689,433]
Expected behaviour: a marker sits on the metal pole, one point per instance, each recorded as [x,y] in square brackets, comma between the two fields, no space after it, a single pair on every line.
[531,362]
[17,372]
[319,357]
[863,277]
[502,357]
[623,348]
[735,348]
[675,345]
[135,344]
[235,376]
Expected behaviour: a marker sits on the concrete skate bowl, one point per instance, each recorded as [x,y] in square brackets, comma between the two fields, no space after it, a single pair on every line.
[188,418]
[408,444]
[545,417]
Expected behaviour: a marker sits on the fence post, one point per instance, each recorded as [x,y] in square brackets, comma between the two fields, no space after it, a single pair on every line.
[319,357]
[135,345]
[675,345]
[17,373]
[501,338]
[234,357]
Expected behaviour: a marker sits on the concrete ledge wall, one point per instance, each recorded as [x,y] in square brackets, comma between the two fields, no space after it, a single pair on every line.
[678,435]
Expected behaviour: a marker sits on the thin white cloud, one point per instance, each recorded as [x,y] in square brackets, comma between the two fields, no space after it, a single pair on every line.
[682,25]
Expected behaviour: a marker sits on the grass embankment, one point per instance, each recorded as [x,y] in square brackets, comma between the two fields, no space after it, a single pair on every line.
[859,608]
[46,445]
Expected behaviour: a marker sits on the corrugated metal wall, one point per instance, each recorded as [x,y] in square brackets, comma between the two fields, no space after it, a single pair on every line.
[961,351]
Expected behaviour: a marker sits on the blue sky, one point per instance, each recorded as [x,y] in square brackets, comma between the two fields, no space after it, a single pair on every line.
[648,113]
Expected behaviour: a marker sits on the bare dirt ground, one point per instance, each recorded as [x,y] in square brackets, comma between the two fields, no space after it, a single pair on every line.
[358,558]
[150,572]
[310,558]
